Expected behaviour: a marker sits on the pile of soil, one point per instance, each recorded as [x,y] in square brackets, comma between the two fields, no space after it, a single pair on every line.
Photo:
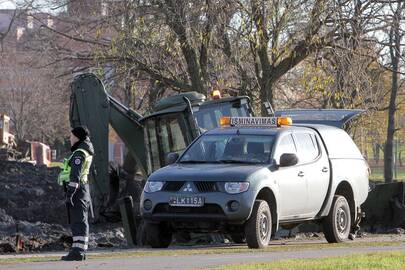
[31,193]
[33,213]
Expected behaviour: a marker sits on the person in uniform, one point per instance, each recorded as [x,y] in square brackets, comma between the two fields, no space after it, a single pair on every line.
[74,178]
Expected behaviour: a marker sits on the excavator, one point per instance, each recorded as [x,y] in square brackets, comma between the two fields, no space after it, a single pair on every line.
[173,123]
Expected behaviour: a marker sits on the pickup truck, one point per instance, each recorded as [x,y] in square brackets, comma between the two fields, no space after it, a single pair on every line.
[254,174]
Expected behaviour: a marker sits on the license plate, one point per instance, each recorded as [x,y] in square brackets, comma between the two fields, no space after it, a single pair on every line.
[186,201]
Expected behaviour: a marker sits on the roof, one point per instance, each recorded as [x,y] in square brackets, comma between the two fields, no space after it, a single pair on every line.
[178,100]
[177,103]
[222,100]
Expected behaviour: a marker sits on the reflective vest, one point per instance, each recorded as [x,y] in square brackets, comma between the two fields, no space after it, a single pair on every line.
[64,176]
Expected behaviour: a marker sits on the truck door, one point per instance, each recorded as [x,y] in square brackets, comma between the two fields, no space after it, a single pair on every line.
[314,170]
[292,186]
[165,134]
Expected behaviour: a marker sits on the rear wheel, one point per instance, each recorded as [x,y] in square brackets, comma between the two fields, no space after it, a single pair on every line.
[336,226]
[258,227]
[158,235]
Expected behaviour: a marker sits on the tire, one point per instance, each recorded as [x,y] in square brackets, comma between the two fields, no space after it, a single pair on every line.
[158,235]
[238,238]
[259,225]
[336,226]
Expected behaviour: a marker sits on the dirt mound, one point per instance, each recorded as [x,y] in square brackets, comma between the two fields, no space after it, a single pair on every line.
[32,206]
[31,193]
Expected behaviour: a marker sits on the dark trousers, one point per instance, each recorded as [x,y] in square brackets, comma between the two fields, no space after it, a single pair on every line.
[79,221]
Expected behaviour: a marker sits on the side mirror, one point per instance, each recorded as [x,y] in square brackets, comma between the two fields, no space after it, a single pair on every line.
[288,159]
[171,158]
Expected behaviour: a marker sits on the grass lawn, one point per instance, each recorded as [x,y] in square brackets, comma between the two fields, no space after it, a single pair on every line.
[376,260]
[377,174]
[203,250]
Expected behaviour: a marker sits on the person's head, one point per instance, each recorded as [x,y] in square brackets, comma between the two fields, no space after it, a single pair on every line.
[78,134]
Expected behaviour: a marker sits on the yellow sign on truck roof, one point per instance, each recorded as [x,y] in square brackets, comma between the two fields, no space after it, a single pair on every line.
[255,121]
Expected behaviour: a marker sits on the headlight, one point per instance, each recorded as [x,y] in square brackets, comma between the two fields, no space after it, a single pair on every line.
[153,186]
[236,187]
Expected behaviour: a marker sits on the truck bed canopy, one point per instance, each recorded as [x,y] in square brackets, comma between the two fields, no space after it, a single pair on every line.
[331,117]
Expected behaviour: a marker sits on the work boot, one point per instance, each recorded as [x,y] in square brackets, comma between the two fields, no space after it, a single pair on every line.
[74,255]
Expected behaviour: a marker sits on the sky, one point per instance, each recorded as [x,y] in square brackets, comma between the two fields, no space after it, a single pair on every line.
[6,4]
[40,5]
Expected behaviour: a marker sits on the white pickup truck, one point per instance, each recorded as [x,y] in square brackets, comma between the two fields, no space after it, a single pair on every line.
[252,175]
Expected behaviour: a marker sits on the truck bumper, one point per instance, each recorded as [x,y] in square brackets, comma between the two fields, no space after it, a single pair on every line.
[217,207]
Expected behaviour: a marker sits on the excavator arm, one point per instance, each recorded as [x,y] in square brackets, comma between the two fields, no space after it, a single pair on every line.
[173,124]
[93,107]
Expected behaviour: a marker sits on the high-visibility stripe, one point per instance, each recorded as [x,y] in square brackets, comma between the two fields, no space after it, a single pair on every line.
[64,176]
[79,245]
[81,238]
[73,184]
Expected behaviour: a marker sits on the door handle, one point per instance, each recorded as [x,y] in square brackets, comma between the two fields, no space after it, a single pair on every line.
[301,174]
[324,169]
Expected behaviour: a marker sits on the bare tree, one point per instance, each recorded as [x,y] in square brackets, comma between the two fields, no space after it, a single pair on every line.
[33,98]
[189,45]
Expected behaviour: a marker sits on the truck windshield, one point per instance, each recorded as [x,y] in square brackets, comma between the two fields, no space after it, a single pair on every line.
[207,116]
[230,149]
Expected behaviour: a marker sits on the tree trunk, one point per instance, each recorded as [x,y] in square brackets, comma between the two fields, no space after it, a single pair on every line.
[376,152]
[263,74]
[193,68]
[266,94]
[395,38]
[176,21]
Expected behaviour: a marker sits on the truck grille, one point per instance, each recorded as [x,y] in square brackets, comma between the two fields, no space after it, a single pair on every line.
[206,186]
[202,186]
[165,208]
[173,186]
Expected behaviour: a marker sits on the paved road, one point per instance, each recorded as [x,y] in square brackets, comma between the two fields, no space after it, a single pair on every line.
[183,262]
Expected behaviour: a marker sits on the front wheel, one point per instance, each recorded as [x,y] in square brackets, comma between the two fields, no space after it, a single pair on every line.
[258,226]
[336,226]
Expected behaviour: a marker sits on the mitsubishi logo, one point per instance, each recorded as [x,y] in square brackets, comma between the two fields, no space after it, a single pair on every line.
[188,188]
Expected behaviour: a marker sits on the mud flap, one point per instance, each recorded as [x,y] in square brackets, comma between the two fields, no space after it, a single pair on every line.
[356,225]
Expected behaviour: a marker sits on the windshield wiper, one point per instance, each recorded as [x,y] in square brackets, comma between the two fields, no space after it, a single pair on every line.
[236,161]
[197,161]
[218,161]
